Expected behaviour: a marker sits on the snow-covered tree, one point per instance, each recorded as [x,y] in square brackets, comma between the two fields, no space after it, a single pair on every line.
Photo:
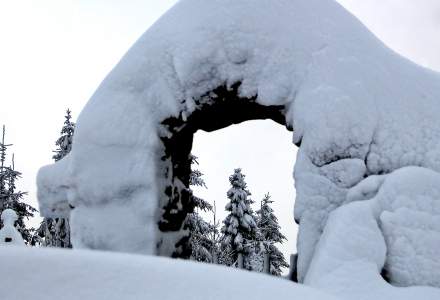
[56,232]
[10,198]
[200,231]
[9,235]
[269,235]
[64,142]
[240,226]
[4,172]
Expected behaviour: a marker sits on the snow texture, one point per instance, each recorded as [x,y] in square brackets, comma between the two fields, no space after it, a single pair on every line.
[396,231]
[88,275]
[358,111]
[9,235]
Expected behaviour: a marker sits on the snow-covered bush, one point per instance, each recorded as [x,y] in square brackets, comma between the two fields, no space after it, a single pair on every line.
[9,235]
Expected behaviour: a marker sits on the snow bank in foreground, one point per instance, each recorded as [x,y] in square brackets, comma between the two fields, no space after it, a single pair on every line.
[40,274]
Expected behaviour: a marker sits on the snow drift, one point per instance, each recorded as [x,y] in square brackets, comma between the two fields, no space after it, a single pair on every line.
[98,275]
[81,274]
[358,111]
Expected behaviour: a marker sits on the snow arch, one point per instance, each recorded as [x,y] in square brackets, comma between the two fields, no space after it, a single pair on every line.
[357,108]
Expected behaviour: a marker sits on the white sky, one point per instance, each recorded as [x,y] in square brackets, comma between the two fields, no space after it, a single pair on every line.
[54,54]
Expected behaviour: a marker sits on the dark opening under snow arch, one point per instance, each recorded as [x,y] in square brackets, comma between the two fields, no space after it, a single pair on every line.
[224,108]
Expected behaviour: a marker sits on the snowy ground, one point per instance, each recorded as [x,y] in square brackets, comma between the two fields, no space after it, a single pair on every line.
[79,274]
[65,274]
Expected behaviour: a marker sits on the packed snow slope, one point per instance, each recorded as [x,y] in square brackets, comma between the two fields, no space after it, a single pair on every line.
[41,274]
[359,111]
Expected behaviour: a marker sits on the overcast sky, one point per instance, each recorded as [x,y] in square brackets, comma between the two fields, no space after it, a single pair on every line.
[54,53]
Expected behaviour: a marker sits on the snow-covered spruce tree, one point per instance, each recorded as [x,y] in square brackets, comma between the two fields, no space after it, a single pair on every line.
[240,227]
[64,142]
[200,231]
[56,232]
[10,198]
[269,235]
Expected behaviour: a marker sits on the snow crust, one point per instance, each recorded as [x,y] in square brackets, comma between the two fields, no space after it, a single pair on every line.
[358,111]
[96,275]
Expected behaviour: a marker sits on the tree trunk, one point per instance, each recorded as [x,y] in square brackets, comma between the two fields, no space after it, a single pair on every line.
[240,262]
[266,266]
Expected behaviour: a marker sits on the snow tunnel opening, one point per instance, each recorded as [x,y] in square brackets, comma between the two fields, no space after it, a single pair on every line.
[222,108]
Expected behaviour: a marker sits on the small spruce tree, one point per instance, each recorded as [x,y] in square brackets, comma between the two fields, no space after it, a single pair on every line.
[218,257]
[64,142]
[269,235]
[200,230]
[240,227]
[4,172]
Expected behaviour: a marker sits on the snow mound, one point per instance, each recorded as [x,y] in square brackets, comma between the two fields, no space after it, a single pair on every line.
[410,221]
[357,109]
[98,275]
[395,233]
